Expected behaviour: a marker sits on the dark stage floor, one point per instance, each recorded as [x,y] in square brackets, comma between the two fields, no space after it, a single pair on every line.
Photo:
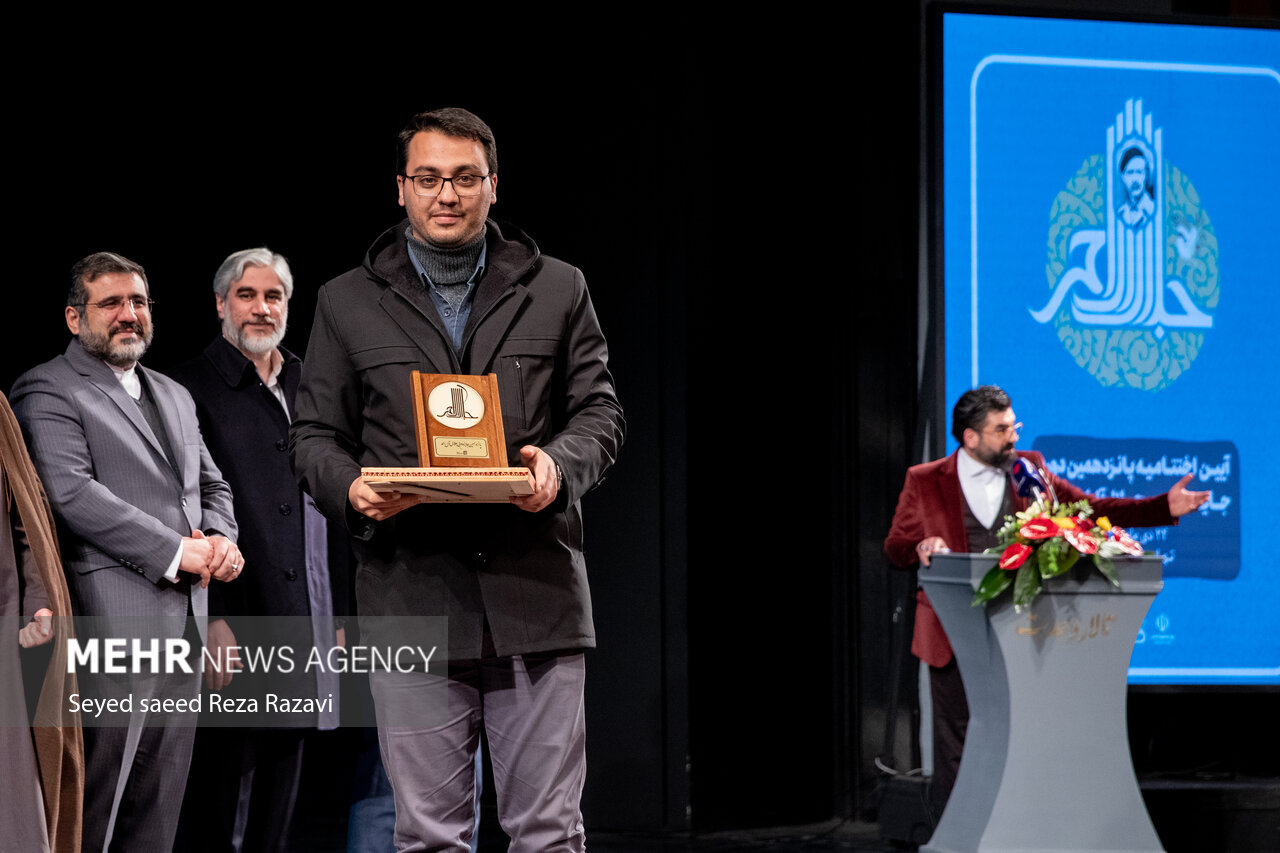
[320,822]
[817,838]
[1240,817]
[830,837]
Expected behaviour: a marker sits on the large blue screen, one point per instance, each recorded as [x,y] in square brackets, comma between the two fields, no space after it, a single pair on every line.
[1112,260]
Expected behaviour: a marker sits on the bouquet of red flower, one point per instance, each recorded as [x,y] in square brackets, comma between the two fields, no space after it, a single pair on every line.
[1042,542]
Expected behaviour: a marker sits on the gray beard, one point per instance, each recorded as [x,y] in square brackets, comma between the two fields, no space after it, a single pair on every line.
[117,355]
[124,355]
[255,344]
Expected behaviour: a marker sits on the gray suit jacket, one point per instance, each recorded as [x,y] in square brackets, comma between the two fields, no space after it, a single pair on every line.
[122,508]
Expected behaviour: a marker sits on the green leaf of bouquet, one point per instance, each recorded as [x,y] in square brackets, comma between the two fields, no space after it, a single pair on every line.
[993,583]
[1108,569]
[1026,586]
[1080,507]
[1047,557]
[1055,557]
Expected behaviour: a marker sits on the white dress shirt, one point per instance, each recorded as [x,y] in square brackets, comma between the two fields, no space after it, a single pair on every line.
[983,487]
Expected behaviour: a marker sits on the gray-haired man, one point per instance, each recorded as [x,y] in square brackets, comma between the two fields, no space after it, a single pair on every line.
[244,783]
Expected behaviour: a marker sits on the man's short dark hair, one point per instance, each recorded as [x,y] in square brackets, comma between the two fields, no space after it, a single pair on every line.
[451,121]
[99,263]
[973,407]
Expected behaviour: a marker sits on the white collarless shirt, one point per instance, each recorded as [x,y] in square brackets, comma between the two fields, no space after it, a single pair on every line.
[983,487]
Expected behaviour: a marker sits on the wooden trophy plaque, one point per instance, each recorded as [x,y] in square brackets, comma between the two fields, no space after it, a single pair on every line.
[462,446]
[458,420]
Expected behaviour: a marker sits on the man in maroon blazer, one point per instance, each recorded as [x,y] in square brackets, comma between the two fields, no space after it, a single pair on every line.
[958,503]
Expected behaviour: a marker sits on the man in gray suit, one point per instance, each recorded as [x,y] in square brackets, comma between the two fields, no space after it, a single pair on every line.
[145,521]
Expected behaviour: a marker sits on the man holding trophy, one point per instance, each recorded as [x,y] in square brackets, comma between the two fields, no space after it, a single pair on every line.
[449,291]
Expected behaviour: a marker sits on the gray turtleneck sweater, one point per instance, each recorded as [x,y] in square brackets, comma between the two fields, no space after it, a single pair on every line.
[450,275]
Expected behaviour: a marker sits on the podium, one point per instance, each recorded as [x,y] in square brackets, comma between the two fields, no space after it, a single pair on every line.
[1046,765]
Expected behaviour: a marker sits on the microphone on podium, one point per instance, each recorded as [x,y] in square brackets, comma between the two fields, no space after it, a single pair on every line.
[1030,482]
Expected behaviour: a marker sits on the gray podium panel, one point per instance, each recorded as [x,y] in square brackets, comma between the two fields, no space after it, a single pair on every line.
[1046,765]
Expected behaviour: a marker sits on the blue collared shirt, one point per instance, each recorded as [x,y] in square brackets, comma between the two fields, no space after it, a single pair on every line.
[455,320]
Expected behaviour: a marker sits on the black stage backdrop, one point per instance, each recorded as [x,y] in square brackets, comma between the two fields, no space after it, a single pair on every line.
[748,221]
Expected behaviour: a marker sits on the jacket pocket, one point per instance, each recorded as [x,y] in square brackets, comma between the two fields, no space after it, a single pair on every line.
[526,368]
[368,359]
[385,382]
[86,558]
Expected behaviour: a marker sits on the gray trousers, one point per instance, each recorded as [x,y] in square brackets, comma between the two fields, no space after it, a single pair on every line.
[136,762]
[531,708]
[135,766]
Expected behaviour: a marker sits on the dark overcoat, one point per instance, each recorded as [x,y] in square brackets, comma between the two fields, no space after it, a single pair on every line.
[247,433]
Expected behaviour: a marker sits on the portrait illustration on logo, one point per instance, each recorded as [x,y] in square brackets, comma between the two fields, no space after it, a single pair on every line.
[1132,261]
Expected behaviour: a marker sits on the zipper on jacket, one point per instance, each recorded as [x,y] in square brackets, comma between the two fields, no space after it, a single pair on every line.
[520,390]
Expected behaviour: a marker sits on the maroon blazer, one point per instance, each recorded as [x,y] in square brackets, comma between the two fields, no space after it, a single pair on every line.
[932,504]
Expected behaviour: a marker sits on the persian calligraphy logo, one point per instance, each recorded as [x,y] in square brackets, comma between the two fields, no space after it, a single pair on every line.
[1132,261]
[454,404]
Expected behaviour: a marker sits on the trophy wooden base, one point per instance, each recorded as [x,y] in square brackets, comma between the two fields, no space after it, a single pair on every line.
[452,485]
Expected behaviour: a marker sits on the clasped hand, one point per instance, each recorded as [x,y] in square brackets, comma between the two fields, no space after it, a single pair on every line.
[215,557]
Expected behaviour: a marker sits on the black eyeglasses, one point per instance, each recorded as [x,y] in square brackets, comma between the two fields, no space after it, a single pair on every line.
[430,185]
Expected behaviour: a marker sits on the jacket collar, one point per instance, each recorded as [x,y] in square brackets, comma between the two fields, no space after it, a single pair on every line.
[953,497]
[951,465]
[499,295]
[100,374]
[495,304]
[90,365]
[406,301]
[235,368]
